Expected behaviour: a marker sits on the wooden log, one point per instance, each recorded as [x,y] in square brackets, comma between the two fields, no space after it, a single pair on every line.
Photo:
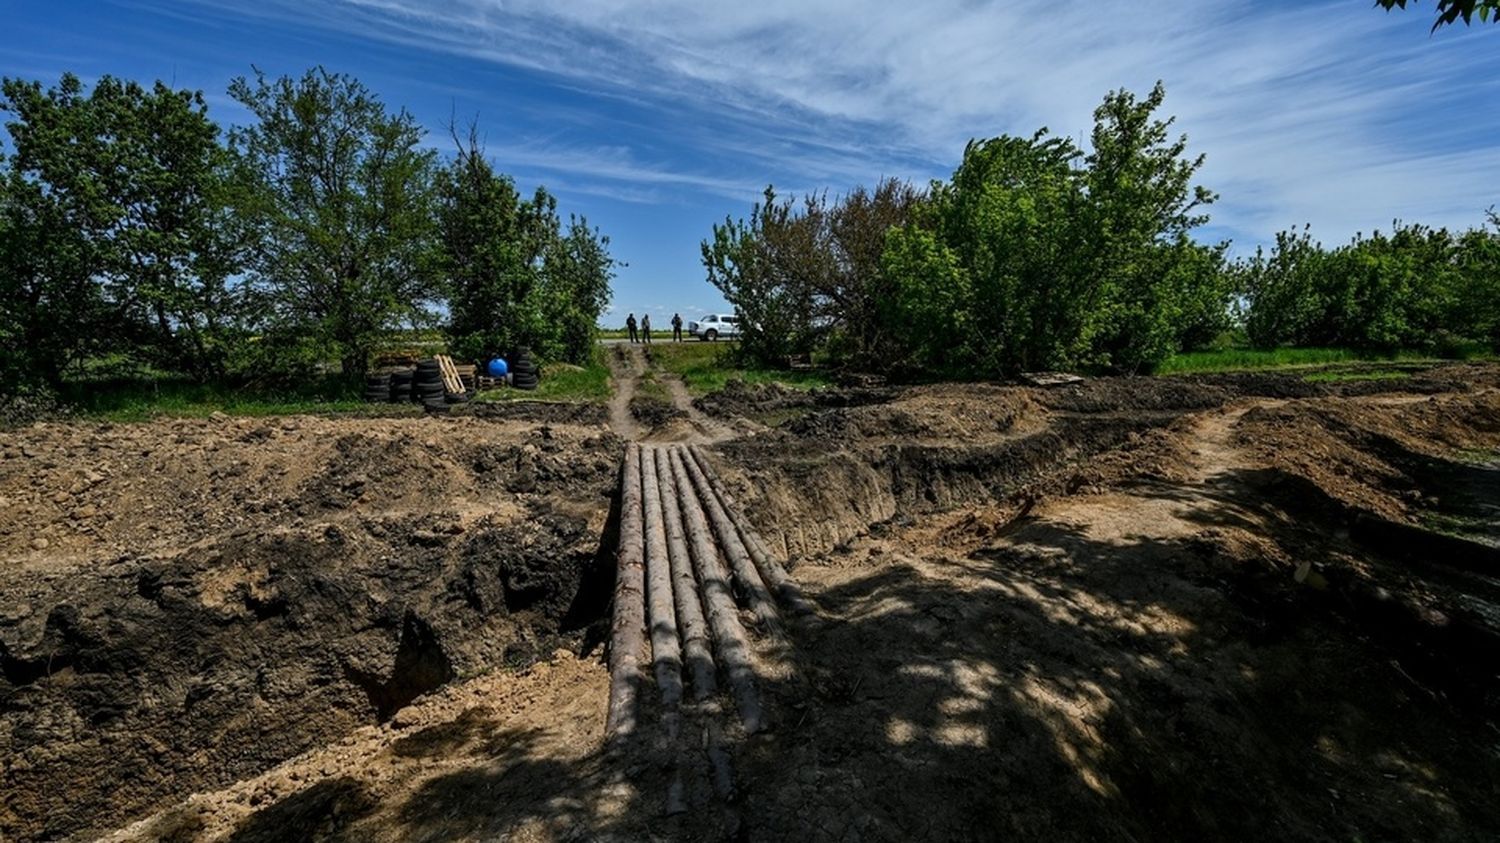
[718,600]
[666,651]
[691,624]
[771,570]
[762,605]
[628,626]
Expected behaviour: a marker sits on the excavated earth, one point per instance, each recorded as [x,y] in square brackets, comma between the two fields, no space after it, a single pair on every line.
[1178,608]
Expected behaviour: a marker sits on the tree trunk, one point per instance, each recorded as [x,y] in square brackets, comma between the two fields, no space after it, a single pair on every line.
[775,575]
[749,579]
[666,652]
[627,630]
[690,620]
[723,616]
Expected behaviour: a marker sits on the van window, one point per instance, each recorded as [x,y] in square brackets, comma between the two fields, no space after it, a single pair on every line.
[731,319]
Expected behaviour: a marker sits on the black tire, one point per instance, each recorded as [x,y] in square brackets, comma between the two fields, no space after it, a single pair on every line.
[437,406]
[457,397]
[711,335]
[525,384]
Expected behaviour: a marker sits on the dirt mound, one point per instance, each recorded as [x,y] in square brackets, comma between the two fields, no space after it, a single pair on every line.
[973,414]
[190,602]
[738,398]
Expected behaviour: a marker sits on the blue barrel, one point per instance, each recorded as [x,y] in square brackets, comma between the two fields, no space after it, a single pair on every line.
[498,368]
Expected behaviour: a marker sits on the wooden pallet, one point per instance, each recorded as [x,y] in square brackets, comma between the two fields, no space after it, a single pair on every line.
[451,381]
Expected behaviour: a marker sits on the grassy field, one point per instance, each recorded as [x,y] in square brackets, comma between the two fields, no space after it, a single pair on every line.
[706,367]
[1240,359]
[1339,377]
[139,400]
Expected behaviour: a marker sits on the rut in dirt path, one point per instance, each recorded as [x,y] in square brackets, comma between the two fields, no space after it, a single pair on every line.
[629,364]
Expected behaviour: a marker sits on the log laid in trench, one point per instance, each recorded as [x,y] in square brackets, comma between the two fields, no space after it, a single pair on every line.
[718,600]
[666,652]
[628,626]
[756,593]
[690,621]
[775,575]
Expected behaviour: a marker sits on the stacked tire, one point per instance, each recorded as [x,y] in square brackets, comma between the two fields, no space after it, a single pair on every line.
[428,388]
[524,373]
[402,386]
[377,388]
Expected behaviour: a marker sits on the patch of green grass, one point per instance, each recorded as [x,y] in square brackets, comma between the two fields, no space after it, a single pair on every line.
[1241,359]
[650,388]
[128,400]
[1340,377]
[562,382]
[706,367]
[613,334]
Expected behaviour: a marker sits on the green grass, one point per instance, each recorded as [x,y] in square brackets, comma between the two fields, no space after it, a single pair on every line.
[1241,359]
[1340,377]
[706,367]
[650,388]
[562,382]
[127,400]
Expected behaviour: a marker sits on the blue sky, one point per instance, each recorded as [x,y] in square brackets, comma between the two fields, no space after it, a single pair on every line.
[657,118]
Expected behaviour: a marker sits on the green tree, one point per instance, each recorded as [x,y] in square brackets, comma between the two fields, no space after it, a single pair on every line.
[515,279]
[804,272]
[341,201]
[118,223]
[579,269]
[765,266]
[1067,259]
[1151,284]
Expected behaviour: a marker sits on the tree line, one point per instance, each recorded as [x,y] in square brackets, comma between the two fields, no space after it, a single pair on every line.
[132,227]
[1038,254]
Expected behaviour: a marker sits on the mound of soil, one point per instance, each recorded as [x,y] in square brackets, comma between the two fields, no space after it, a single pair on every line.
[186,603]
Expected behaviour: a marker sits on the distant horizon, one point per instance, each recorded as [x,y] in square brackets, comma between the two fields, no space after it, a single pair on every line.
[657,122]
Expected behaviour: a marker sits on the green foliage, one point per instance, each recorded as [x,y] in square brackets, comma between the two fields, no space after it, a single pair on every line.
[707,367]
[340,197]
[1449,11]
[1037,256]
[516,278]
[1244,359]
[1417,287]
[114,228]
[801,273]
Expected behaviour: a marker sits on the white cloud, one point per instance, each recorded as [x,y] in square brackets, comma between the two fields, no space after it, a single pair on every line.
[1332,113]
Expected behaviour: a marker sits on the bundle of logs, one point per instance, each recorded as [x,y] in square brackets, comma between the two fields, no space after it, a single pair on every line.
[686,554]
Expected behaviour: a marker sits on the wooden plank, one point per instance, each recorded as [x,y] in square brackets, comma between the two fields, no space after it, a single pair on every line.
[451,381]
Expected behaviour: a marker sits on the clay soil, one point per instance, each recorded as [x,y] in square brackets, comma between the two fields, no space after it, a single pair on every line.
[1239,606]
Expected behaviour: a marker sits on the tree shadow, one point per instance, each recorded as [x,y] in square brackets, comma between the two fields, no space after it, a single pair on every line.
[326,811]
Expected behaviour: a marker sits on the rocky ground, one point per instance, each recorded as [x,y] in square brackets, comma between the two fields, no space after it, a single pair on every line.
[1227,606]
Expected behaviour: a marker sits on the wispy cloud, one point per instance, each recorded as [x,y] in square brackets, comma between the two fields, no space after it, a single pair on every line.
[1327,112]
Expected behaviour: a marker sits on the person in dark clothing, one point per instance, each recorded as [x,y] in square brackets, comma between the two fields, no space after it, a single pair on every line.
[676,327]
[630,326]
[646,328]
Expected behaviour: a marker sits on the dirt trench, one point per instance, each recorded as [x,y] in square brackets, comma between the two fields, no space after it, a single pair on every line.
[187,604]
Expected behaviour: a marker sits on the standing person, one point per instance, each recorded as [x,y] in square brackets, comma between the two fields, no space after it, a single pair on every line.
[646,328]
[630,326]
[676,327]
